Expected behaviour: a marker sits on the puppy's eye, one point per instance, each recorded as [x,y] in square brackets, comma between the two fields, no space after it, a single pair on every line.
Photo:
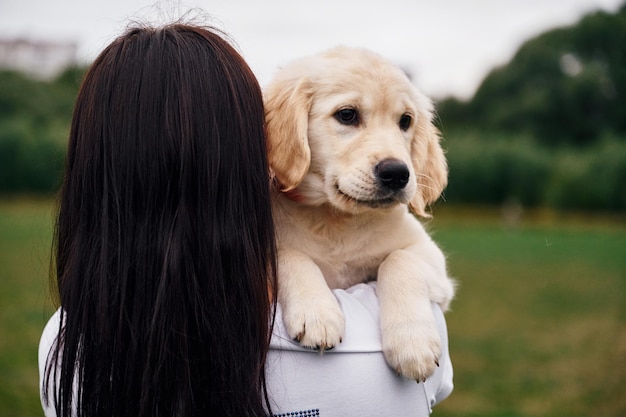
[405,122]
[347,116]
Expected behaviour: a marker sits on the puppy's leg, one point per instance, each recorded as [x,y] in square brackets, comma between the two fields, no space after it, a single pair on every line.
[310,310]
[441,288]
[411,343]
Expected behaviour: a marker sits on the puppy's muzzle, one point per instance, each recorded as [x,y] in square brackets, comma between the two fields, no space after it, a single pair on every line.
[392,174]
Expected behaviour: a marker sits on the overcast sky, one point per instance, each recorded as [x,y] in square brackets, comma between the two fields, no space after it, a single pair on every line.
[448,45]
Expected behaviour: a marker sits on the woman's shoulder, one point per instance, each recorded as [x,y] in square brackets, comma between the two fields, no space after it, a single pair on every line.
[49,337]
[304,379]
[47,342]
[362,330]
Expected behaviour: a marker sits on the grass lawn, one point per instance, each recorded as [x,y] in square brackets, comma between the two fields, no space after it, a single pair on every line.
[25,233]
[539,324]
[538,327]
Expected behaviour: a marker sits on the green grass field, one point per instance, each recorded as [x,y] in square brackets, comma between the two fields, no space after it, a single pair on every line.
[539,324]
[25,303]
[538,327]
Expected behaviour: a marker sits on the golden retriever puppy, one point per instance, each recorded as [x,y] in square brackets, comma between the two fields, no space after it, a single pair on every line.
[352,148]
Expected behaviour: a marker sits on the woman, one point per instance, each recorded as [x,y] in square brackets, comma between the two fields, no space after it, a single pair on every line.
[164,251]
[164,240]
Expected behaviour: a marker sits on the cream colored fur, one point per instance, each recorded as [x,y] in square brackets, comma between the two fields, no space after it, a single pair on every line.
[336,225]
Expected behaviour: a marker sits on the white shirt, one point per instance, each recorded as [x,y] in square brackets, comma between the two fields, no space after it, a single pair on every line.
[353,379]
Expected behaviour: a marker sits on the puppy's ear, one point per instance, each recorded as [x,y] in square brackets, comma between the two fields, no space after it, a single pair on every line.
[287,105]
[429,163]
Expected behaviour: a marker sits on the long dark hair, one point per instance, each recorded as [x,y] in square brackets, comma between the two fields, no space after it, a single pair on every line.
[164,241]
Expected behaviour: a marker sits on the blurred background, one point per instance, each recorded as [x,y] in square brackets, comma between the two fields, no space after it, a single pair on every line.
[531,101]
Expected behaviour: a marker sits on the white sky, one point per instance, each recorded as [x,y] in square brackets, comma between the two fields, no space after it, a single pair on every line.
[448,45]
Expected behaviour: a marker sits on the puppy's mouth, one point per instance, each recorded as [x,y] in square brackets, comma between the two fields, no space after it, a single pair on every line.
[379,200]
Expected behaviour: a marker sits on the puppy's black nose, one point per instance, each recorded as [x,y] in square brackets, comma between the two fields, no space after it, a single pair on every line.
[392,174]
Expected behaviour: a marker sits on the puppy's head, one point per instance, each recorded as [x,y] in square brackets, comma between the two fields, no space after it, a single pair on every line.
[348,128]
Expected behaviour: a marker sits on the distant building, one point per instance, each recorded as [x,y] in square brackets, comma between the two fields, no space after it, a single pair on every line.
[39,59]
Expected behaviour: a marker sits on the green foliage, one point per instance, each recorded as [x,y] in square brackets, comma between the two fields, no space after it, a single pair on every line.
[500,170]
[28,159]
[592,180]
[493,171]
[566,86]
[34,124]
[549,128]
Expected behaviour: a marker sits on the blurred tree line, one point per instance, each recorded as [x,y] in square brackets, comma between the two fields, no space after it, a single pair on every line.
[548,128]
[35,119]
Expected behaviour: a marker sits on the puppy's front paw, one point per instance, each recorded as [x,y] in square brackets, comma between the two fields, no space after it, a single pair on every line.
[315,323]
[412,349]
